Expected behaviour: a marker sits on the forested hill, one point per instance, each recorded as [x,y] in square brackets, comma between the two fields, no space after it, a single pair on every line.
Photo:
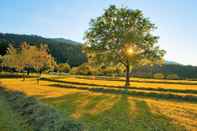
[63,50]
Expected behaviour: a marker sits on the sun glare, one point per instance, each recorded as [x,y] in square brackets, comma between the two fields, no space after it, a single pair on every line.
[130,51]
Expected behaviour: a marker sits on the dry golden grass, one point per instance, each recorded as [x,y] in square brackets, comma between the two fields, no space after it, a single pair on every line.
[181,113]
[99,103]
[92,104]
[141,79]
[163,80]
[31,88]
[134,84]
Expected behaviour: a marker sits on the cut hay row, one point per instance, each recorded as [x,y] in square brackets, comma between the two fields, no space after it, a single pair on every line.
[185,91]
[133,84]
[166,96]
[39,116]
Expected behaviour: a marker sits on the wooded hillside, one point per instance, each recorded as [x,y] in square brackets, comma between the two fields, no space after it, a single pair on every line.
[63,50]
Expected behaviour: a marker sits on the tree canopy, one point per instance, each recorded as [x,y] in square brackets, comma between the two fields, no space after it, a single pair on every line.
[122,35]
[28,57]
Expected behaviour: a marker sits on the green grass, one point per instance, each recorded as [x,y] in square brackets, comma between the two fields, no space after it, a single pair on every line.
[136,93]
[10,120]
[111,109]
[122,116]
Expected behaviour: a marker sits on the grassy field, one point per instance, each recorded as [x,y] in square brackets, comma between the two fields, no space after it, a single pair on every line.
[109,111]
[10,120]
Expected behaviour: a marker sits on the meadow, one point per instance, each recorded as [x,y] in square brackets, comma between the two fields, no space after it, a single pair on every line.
[103,105]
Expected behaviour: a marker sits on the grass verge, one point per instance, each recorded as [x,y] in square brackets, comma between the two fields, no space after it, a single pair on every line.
[39,116]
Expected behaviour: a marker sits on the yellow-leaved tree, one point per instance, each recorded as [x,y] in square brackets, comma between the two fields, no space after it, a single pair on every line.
[29,57]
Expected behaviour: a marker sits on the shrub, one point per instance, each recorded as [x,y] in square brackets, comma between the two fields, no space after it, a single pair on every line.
[40,116]
[158,76]
[63,68]
[74,71]
[84,69]
[172,76]
[109,70]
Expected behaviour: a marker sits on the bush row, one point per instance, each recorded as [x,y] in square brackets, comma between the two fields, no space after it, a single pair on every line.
[87,69]
[168,76]
[39,116]
[9,75]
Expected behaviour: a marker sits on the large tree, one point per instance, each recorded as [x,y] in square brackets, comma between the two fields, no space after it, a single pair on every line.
[122,35]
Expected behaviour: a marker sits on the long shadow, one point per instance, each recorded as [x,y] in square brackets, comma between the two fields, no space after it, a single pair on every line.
[166,96]
[70,104]
[94,101]
[123,116]
[114,119]
[145,120]
[66,104]
[188,91]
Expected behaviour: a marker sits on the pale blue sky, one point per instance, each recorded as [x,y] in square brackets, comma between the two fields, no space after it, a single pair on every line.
[176,21]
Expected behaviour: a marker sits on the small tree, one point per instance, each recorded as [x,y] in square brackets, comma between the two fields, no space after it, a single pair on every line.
[63,68]
[13,58]
[84,69]
[123,36]
[41,59]
[172,77]
[158,76]
[28,57]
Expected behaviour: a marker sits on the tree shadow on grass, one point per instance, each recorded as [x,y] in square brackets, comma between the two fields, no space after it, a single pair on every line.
[74,103]
[142,94]
[66,104]
[116,118]
[148,121]
[120,118]
[188,91]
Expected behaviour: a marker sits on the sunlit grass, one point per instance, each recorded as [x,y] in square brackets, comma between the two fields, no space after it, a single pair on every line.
[136,79]
[133,84]
[30,87]
[110,112]
[181,113]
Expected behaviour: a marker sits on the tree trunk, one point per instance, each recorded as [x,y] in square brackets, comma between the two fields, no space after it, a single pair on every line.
[28,72]
[39,77]
[40,72]
[23,76]
[127,75]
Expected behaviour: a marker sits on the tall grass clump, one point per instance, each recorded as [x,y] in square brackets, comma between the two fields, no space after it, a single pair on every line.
[41,117]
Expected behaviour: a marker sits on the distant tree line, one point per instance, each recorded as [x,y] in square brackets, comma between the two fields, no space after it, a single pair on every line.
[64,51]
[182,71]
[165,71]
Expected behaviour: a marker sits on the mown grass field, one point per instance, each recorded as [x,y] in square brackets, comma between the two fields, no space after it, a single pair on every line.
[110,111]
[10,120]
